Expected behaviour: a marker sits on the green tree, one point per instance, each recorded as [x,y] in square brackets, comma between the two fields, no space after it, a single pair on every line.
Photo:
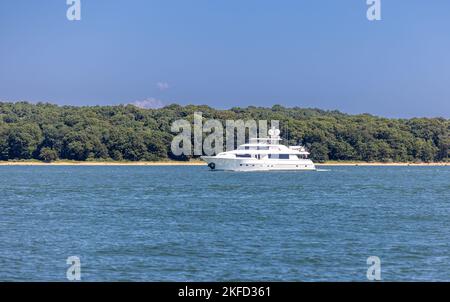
[48,155]
[4,146]
[23,140]
[319,152]
[130,133]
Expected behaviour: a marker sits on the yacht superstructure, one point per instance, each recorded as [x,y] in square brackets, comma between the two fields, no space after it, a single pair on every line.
[262,154]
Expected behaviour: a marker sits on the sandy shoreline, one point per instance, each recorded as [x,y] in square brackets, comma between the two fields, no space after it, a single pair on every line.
[199,163]
[386,164]
[94,163]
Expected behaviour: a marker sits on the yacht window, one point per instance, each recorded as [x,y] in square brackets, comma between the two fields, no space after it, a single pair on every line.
[243,155]
[263,148]
[279,156]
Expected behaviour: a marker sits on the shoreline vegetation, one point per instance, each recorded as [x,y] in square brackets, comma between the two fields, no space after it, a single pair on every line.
[201,163]
[125,133]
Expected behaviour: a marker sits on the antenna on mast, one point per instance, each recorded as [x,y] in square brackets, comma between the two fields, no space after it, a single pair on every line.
[286,132]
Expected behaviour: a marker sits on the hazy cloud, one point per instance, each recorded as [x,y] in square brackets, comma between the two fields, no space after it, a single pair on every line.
[150,103]
[162,86]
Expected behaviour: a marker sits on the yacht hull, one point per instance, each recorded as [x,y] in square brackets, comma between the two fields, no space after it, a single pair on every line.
[252,164]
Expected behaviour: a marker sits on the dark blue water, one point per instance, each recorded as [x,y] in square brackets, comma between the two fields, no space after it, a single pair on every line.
[190,224]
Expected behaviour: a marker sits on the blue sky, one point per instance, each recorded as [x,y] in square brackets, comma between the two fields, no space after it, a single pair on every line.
[224,53]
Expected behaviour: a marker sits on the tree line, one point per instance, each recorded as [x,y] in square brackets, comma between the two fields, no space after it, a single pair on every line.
[49,132]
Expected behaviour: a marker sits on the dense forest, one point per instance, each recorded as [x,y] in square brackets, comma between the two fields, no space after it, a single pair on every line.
[49,132]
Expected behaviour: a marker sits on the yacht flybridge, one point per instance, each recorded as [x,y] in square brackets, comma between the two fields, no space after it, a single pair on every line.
[262,154]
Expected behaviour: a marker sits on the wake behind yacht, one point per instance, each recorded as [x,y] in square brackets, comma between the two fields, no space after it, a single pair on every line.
[262,154]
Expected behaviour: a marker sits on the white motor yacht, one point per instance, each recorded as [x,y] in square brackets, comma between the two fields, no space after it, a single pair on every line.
[262,154]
